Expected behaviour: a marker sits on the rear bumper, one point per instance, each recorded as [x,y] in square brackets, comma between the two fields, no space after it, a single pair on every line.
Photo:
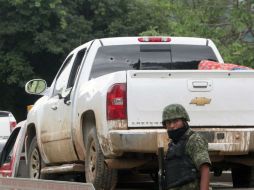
[139,140]
[222,141]
[229,141]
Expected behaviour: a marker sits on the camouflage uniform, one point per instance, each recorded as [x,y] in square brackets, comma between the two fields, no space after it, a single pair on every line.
[197,149]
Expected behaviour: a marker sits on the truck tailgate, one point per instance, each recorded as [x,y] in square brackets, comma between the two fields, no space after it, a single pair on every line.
[212,98]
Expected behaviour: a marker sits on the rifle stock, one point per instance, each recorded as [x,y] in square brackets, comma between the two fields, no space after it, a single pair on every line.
[161,179]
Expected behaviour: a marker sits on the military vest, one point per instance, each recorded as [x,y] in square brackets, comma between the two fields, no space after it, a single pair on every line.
[179,167]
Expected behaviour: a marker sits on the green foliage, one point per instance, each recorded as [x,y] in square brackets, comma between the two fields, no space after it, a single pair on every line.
[152,31]
[223,22]
[35,36]
[14,69]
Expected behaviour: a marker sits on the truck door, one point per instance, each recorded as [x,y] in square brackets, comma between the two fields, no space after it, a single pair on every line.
[58,136]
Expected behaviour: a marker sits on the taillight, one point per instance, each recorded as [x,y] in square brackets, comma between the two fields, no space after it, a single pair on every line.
[116,102]
[12,125]
[154,39]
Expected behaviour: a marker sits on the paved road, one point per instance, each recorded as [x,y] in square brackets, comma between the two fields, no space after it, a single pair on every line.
[126,182]
[29,184]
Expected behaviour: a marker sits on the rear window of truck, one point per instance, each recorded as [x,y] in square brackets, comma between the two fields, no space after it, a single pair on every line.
[110,59]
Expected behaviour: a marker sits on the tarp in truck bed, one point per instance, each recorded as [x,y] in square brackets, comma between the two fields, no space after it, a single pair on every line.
[212,65]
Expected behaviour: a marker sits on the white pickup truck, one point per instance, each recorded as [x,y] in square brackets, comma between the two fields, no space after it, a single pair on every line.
[103,110]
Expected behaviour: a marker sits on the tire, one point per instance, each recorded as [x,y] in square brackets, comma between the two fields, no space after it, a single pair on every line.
[242,176]
[35,162]
[96,171]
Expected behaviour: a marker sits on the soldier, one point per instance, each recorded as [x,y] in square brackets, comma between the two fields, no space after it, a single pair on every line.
[187,160]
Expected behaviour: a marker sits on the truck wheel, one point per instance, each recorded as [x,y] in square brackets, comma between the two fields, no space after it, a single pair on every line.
[242,176]
[96,171]
[34,161]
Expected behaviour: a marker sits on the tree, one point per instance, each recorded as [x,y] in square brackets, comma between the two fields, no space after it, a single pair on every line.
[224,22]
[35,36]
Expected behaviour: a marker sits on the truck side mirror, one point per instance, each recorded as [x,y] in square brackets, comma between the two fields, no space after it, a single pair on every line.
[67,100]
[36,86]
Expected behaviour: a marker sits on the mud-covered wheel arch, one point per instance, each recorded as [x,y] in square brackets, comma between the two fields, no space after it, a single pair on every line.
[96,171]
[31,133]
[88,122]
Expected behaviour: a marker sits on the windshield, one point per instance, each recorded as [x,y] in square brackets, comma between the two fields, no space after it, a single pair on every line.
[4,114]
[149,57]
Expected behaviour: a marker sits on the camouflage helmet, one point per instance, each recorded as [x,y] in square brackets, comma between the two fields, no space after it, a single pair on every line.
[174,111]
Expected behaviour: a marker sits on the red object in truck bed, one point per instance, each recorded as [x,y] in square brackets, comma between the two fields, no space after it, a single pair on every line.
[212,65]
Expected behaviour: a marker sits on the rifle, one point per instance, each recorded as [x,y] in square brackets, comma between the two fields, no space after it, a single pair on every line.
[161,173]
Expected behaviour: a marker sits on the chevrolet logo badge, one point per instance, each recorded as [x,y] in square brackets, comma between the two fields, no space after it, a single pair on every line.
[200,101]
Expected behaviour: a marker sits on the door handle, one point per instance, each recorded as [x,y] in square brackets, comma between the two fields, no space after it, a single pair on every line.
[200,84]
[197,85]
[54,107]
